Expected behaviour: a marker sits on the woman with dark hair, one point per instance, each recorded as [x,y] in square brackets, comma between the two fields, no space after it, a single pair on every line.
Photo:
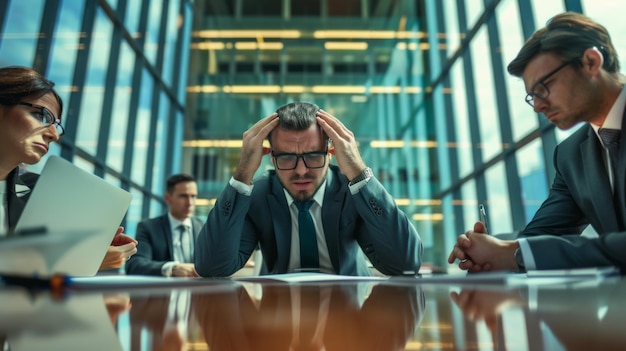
[30,112]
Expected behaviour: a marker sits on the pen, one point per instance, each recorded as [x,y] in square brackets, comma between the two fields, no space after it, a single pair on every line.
[483,216]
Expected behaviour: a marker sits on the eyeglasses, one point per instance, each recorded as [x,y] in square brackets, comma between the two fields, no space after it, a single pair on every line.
[45,117]
[540,89]
[315,159]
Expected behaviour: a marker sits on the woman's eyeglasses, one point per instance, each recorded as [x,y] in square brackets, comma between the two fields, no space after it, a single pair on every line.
[45,117]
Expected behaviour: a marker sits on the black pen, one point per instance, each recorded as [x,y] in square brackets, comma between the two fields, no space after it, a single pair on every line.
[483,216]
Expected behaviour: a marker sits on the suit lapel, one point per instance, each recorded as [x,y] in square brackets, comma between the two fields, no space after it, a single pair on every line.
[334,198]
[282,224]
[167,232]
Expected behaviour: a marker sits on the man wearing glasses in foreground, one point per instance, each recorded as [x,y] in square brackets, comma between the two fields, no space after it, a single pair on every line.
[306,215]
[571,72]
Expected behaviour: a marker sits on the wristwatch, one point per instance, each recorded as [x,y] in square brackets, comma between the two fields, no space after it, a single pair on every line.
[365,174]
[519,259]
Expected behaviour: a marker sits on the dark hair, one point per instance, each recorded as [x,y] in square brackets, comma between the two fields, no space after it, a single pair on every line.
[173,180]
[567,35]
[297,115]
[17,83]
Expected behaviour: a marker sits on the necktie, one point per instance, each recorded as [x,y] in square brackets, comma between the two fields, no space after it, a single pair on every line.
[186,247]
[309,257]
[610,139]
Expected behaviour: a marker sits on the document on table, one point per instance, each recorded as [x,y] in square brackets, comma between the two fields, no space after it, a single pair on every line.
[308,277]
[535,277]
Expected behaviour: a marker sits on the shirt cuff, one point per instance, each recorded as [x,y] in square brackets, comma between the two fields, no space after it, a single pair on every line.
[354,189]
[166,269]
[242,188]
[527,255]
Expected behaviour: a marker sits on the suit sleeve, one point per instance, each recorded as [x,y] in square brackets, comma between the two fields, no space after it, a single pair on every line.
[559,214]
[387,237]
[575,251]
[226,240]
[142,262]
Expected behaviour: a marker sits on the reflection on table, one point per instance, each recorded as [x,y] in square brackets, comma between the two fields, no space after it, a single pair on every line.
[396,314]
[587,315]
[310,317]
[40,321]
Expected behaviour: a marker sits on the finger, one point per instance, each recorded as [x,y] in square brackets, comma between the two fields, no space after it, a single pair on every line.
[460,254]
[261,127]
[479,227]
[452,256]
[333,126]
[466,264]
[463,241]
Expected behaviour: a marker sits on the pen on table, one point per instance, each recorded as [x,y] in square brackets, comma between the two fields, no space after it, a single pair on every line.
[483,216]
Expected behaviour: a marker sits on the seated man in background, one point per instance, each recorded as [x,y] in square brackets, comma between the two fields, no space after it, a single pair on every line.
[166,243]
[306,214]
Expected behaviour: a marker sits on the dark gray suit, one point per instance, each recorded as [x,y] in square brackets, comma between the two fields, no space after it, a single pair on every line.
[580,195]
[155,247]
[369,221]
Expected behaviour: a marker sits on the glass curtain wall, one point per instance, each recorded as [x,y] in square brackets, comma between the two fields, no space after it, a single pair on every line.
[120,67]
[438,118]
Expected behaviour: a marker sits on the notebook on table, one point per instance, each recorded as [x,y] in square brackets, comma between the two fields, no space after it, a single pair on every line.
[67,225]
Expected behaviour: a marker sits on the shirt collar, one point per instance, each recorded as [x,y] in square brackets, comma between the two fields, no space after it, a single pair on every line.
[175,222]
[614,118]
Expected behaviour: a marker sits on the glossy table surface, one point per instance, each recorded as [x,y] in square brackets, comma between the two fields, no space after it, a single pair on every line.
[389,314]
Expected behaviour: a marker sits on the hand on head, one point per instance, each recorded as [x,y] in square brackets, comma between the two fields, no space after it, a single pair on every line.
[344,146]
[252,149]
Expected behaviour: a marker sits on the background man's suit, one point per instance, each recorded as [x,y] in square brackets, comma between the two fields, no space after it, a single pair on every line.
[581,194]
[155,247]
[369,221]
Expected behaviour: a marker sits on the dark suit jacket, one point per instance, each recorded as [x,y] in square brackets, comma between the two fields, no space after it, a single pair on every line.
[155,247]
[580,195]
[16,201]
[368,222]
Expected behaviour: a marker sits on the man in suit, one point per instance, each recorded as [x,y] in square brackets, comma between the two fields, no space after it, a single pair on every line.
[571,72]
[336,213]
[166,243]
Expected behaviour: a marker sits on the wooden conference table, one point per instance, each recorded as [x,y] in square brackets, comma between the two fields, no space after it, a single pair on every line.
[337,314]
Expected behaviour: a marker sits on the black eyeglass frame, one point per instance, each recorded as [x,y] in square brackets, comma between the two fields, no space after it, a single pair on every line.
[47,117]
[530,97]
[302,156]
